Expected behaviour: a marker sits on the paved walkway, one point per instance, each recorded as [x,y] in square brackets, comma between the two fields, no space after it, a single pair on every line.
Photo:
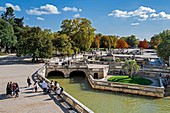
[17,70]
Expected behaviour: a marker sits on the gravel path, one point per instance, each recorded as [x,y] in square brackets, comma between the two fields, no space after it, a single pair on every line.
[12,69]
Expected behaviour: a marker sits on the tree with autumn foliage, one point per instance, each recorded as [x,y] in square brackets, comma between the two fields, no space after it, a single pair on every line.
[143,44]
[105,42]
[121,43]
[96,42]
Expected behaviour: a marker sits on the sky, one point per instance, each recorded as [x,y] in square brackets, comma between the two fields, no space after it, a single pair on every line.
[142,18]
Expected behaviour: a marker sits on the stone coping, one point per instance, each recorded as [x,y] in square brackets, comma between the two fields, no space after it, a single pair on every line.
[127,88]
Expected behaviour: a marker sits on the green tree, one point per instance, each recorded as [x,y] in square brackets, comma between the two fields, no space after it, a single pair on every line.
[8,15]
[16,23]
[163,49]
[7,37]
[131,41]
[113,40]
[80,31]
[63,44]
[155,40]
[131,67]
[36,43]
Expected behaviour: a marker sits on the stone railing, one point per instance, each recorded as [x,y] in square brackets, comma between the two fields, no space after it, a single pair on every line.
[79,66]
[127,88]
[75,104]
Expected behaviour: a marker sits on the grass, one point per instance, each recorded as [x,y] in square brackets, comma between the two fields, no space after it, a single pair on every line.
[133,80]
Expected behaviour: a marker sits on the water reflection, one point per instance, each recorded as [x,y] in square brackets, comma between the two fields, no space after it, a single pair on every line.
[110,102]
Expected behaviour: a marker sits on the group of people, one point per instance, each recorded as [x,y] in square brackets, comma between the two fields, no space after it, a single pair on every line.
[12,89]
[54,86]
[35,85]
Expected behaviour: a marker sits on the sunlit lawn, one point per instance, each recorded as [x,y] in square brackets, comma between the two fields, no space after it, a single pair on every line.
[133,80]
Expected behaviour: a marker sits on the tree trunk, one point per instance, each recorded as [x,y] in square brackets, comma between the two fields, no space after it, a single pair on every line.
[33,58]
[6,49]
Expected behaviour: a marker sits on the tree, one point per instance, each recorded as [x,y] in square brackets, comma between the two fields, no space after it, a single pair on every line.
[80,31]
[131,41]
[8,15]
[163,49]
[7,37]
[143,44]
[131,67]
[113,40]
[121,43]
[155,40]
[105,42]
[63,44]
[36,43]
[96,42]
[16,23]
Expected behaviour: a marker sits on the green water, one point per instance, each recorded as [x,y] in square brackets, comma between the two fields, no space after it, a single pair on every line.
[111,102]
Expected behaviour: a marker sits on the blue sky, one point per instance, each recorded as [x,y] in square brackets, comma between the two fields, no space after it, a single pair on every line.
[142,18]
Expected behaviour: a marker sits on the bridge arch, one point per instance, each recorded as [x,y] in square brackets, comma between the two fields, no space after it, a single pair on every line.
[76,73]
[56,73]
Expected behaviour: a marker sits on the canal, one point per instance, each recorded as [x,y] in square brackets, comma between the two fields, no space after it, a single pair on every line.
[109,102]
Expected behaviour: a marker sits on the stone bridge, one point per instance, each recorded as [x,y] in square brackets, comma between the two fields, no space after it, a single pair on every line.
[97,71]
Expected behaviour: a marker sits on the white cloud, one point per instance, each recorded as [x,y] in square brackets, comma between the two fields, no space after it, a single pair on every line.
[74,9]
[47,9]
[39,18]
[16,7]
[77,16]
[118,13]
[2,9]
[134,24]
[142,13]
[160,16]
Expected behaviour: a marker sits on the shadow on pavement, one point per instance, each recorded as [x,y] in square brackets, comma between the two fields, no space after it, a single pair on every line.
[58,103]
[33,95]
[4,96]
[11,60]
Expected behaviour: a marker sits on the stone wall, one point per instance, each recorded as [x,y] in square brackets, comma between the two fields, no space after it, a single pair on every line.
[127,88]
[66,70]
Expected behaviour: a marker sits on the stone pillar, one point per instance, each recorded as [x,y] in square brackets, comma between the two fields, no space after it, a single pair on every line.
[66,75]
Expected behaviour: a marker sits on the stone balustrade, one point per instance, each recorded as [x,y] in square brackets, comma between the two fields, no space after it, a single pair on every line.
[127,88]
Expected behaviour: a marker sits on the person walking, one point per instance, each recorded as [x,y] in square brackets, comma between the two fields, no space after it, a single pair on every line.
[56,85]
[28,81]
[36,86]
[59,91]
[51,86]
[44,86]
